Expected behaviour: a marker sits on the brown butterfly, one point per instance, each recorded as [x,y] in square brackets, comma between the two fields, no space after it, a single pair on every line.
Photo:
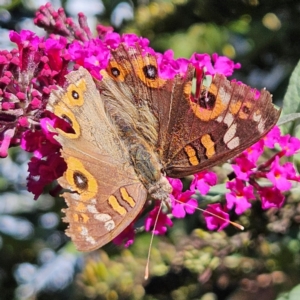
[133,128]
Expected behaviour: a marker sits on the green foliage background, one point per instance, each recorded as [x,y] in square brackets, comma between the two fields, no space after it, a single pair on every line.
[38,262]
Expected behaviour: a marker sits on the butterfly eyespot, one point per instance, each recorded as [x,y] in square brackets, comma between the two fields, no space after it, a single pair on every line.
[150,71]
[80,180]
[75,95]
[115,72]
[246,110]
[207,100]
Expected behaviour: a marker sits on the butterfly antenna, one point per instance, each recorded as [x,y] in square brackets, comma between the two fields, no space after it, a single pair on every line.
[151,242]
[237,225]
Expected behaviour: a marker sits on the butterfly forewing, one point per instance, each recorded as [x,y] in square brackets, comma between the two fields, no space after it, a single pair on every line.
[229,119]
[189,134]
[106,194]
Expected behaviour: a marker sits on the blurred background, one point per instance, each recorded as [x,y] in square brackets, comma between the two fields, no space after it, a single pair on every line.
[37,261]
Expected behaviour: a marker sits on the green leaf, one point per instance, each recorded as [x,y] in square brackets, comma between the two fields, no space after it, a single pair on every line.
[288,118]
[218,189]
[283,296]
[294,294]
[291,101]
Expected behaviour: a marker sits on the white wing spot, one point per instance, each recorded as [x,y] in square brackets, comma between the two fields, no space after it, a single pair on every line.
[225,96]
[90,240]
[84,231]
[102,217]
[85,234]
[230,133]
[92,209]
[228,120]
[256,117]
[75,196]
[261,126]
[109,225]
[234,143]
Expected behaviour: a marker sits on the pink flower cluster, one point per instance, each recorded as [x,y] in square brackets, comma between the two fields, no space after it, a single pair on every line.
[243,189]
[30,72]
[255,180]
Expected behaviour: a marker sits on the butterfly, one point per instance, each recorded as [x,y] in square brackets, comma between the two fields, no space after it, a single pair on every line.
[134,128]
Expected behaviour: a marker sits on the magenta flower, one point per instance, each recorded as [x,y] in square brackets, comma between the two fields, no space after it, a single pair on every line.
[290,145]
[216,217]
[243,167]
[271,197]
[162,221]
[203,60]
[36,142]
[182,203]
[254,152]
[126,237]
[25,39]
[42,143]
[131,39]
[55,52]
[203,181]
[92,54]
[24,97]
[103,31]
[224,65]
[169,67]
[56,22]
[291,172]
[43,172]
[279,175]
[112,40]
[7,140]
[45,150]
[239,196]
[272,137]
